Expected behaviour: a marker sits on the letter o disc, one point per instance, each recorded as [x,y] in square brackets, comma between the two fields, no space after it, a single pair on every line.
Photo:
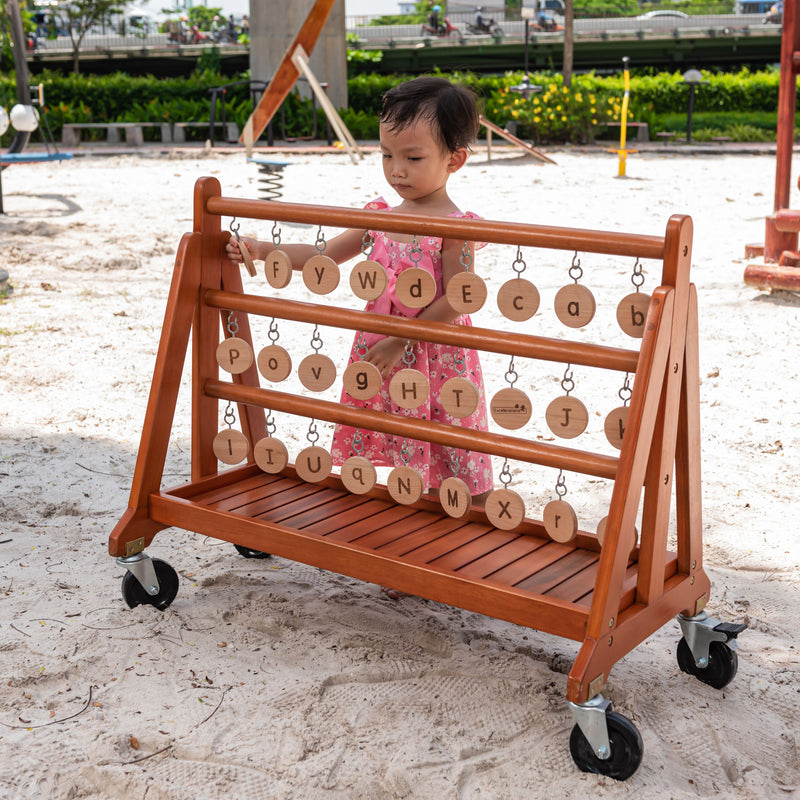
[405,485]
[614,426]
[560,521]
[313,464]
[409,388]
[234,355]
[230,446]
[510,408]
[358,475]
[466,292]
[455,497]
[368,280]
[504,509]
[632,313]
[321,274]
[574,305]
[459,397]
[362,380]
[415,287]
[274,363]
[278,269]
[567,417]
[317,372]
[518,299]
[270,454]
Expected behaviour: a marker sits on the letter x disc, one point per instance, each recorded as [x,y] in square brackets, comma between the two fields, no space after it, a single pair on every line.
[415,287]
[368,280]
[270,454]
[313,464]
[409,388]
[234,355]
[358,475]
[504,509]
[560,521]
[466,292]
[455,497]
[567,417]
[574,305]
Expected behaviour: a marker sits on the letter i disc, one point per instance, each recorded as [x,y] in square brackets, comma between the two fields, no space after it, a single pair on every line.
[358,475]
[270,454]
[230,446]
[368,280]
[455,497]
[466,292]
[409,388]
[504,509]
[405,485]
[560,521]
[321,274]
[234,355]
[632,313]
[278,269]
[313,464]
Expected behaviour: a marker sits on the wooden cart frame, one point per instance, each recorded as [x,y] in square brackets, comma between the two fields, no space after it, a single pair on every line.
[606,598]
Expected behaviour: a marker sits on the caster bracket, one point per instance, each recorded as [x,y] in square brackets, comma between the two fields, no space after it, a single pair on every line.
[699,631]
[591,719]
[141,567]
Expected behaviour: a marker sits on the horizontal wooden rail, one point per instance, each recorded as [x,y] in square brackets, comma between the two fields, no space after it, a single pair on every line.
[516,233]
[546,455]
[486,339]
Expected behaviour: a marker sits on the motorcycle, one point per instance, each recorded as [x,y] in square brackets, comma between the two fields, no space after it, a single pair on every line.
[546,24]
[486,26]
[445,28]
[775,15]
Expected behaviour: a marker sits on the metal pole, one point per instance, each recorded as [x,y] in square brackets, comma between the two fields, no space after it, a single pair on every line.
[692,87]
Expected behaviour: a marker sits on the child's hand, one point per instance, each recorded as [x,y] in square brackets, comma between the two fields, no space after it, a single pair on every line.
[385,354]
[233,250]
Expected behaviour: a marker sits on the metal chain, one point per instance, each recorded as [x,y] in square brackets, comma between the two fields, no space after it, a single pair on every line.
[405,453]
[625,392]
[229,417]
[460,364]
[575,270]
[519,266]
[416,252]
[511,375]
[561,484]
[313,433]
[316,340]
[320,243]
[409,359]
[637,278]
[361,346]
[567,384]
[455,462]
[358,442]
[233,325]
[465,259]
[234,226]
[367,244]
[270,425]
[505,475]
[273,333]
[276,234]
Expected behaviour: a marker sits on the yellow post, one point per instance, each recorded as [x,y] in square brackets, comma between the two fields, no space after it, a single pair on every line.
[623,123]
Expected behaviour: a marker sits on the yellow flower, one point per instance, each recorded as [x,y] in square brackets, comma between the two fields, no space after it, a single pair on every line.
[552,88]
[564,90]
[514,112]
[558,107]
[578,98]
[593,110]
[594,122]
[563,118]
[536,119]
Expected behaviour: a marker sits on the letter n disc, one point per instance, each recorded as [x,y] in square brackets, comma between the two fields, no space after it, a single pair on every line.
[362,380]
[317,372]
[632,313]
[466,292]
[230,446]
[574,305]
[504,509]
[358,475]
[510,408]
[567,417]
[278,269]
[560,521]
[234,355]
[455,497]
[409,388]
[313,464]
[614,426]
[368,280]
[270,454]
[274,363]
[405,485]
[459,397]
[415,287]
[321,274]
[518,299]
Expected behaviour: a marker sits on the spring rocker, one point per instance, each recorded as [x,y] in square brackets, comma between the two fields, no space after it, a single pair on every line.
[606,590]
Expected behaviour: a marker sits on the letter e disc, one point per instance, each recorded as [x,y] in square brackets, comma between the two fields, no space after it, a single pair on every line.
[317,372]
[405,485]
[574,305]
[358,475]
[409,388]
[368,280]
[459,397]
[504,509]
[362,380]
[614,426]
[270,454]
[415,287]
[567,417]
[455,497]
[313,464]
[274,363]
[278,269]
[230,446]
[632,313]
[510,408]
[560,521]
[321,274]
[466,292]
[234,355]
[518,299]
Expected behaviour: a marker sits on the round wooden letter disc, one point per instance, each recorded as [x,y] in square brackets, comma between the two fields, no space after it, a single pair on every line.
[274,363]
[234,355]
[455,497]
[504,509]
[574,305]
[601,534]
[632,313]
[313,464]
[560,521]
[567,417]
[459,397]
[405,485]
[615,426]
[317,372]
[358,475]
[270,454]
[409,388]
[278,269]
[415,287]
[321,274]
[368,280]
[230,446]
[518,299]
[362,380]
[510,408]
[247,259]
[466,292]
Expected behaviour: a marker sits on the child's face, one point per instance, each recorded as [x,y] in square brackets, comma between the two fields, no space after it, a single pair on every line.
[414,163]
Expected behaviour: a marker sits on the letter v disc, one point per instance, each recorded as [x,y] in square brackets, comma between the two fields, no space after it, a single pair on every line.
[317,372]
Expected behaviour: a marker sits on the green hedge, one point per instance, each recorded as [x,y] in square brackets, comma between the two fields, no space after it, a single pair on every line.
[743,102]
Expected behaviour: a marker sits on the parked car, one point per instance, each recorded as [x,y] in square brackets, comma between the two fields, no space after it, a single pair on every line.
[663,13]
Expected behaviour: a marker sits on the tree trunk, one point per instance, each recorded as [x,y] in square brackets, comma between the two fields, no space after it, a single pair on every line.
[569,40]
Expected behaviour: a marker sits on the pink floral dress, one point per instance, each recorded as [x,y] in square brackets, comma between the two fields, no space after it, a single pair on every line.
[436,362]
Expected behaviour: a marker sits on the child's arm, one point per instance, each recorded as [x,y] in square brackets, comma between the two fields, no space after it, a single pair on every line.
[340,248]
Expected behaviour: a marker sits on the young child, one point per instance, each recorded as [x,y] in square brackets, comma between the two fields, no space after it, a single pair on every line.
[426,127]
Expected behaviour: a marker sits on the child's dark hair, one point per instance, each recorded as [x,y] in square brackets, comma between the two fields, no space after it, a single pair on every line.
[451,110]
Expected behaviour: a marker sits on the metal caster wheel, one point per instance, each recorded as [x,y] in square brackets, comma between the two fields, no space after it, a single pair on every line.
[134,594]
[249,553]
[625,749]
[720,670]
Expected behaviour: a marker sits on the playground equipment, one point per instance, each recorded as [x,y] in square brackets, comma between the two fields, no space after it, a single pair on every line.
[780,249]
[608,590]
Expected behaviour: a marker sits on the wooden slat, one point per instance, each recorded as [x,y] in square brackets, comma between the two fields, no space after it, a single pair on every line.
[218,493]
[502,557]
[579,584]
[260,498]
[545,579]
[283,512]
[471,551]
[417,524]
[528,565]
[332,511]
[454,538]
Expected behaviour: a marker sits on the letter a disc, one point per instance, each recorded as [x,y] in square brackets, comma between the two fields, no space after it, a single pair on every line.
[574,305]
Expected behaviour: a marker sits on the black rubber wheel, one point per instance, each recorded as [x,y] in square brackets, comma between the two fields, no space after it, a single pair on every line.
[626,749]
[722,664]
[248,553]
[133,592]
